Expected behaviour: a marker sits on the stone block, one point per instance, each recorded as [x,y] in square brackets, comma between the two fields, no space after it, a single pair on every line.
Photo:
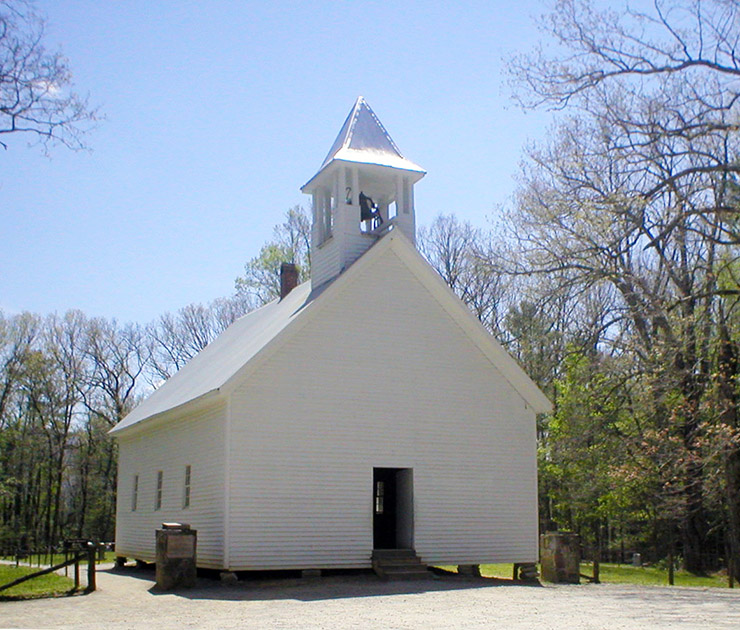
[560,557]
[228,577]
[176,557]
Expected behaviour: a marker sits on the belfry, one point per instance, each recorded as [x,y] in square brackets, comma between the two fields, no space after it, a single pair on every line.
[364,189]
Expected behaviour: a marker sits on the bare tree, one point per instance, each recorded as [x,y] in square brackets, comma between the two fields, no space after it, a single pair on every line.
[461,254]
[636,192]
[175,338]
[17,335]
[681,55]
[35,96]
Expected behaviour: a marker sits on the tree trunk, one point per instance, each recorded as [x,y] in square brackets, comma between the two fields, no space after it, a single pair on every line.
[694,525]
[732,475]
[727,374]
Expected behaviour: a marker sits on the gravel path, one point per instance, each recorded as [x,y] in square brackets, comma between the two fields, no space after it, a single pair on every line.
[125,600]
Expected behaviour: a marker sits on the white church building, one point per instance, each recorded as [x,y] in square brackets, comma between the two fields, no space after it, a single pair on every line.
[366,409]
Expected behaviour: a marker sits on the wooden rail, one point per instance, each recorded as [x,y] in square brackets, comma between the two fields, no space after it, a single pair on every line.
[79,555]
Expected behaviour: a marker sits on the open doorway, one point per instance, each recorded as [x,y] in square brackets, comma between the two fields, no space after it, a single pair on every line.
[393,508]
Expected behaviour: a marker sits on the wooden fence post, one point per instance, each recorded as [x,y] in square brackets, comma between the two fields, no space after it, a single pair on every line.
[731,572]
[77,571]
[91,567]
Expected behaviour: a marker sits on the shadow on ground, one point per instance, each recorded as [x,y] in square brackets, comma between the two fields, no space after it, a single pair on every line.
[337,586]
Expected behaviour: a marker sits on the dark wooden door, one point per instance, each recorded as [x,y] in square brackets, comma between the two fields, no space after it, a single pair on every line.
[384,508]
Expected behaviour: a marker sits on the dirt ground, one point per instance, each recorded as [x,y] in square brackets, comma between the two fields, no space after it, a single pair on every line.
[125,599]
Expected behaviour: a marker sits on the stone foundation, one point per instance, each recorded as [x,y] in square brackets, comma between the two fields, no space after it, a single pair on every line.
[175,556]
[560,557]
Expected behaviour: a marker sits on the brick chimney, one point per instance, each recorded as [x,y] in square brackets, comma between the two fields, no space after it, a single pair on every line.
[288,278]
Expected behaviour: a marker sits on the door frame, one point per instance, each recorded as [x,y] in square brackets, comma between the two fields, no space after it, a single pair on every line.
[393,524]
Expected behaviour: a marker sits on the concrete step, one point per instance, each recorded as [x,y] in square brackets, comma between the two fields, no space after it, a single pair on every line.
[402,565]
[398,564]
[393,553]
[416,568]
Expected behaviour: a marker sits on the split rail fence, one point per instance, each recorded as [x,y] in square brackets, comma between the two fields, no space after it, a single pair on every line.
[75,553]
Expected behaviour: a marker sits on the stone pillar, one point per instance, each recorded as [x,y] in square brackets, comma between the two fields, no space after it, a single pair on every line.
[560,557]
[228,577]
[176,544]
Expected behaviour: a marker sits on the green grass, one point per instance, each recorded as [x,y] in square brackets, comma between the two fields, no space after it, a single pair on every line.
[497,570]
[487,570]
[627,574]
[618,574]
[45,586]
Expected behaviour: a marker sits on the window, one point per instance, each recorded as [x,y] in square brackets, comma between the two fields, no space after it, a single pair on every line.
[135,493]
[406,196]
[324,210]
[158,499]
[186,493]
[379,494]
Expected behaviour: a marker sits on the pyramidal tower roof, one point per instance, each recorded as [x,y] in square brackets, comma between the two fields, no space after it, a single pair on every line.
[363,139]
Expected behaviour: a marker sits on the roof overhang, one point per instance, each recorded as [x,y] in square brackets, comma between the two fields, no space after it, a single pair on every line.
[382,162]
[363,140]
[134,426]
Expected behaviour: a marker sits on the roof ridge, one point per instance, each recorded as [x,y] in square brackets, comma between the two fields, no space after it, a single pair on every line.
[363,139]
[355,114]
[382,127]
[347,139]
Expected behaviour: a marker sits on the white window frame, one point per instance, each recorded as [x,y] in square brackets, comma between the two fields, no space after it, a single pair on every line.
[158,494]
[135,494]
[186,487]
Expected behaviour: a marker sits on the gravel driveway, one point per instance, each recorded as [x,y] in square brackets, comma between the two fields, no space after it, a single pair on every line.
[125,600]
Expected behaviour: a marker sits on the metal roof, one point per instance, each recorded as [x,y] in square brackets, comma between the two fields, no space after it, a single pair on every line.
[248,336]
[364,140]
[224,356]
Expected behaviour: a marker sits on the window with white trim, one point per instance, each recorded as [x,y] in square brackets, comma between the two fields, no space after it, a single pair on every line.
[135,493]
[186,489]
[158,497]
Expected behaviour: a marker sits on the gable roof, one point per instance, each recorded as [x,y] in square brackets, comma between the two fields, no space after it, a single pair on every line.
[206,372]
[253,338]
[363,139]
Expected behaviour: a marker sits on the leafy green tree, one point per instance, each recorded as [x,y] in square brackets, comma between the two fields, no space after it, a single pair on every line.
[291,242]
[581,442]
[633,193]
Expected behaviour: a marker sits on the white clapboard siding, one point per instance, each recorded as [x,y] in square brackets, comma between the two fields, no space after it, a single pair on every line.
[325,262]
[195,439]
[356,244]
[382,377]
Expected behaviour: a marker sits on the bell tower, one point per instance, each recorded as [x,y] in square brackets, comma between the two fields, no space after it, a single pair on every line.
[364,189]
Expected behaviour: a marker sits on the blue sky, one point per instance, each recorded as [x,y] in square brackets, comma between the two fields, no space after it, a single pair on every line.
[216,114]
